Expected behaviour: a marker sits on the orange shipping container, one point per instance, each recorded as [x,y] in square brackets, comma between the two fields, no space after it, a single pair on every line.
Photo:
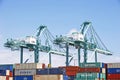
[11,74]
[97,70]
[71,73]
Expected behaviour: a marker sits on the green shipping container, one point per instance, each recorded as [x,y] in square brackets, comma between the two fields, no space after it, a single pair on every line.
[103,75]
[87,75]
[90,76]
[92,64]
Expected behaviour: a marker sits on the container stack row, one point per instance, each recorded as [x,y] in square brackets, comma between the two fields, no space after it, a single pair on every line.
[113,71]
[37,71]
[91,71]
[6,72]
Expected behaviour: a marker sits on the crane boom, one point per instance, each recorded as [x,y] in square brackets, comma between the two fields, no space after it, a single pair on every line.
[86,39]
[41,42]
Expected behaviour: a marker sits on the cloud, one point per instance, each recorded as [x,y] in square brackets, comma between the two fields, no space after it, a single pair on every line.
[71,31]
[0,36]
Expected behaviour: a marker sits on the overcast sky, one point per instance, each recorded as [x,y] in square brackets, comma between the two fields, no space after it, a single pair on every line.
[20,18]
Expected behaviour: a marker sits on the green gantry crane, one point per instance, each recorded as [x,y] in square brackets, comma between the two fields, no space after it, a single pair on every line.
[86,39]
[34,43]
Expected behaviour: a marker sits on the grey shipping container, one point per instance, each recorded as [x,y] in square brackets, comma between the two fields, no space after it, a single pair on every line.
[24,72]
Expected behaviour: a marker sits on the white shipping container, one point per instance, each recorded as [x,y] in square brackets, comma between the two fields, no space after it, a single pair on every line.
[10,78]
[2,77]
[29,66]
[103,70]
[48,77]
[113,65]
[7,72]
[25,72]
[97,79]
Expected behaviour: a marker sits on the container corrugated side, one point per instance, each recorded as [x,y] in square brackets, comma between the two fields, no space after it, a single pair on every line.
[7,72]
[87,75]
[91,64]
[65,77]
[49,71]
[29,66]
[103,70]
[18,72]
[48,77]
[97,70]
[10,78]
[113,76]
[70,70]
[113,70]
[2,72]
[6,67]
[23,77]
[113,65]
[91,76]
[102,75]
[2,77]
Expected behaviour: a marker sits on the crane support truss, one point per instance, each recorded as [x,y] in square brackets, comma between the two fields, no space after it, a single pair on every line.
[89,40]
[41,42]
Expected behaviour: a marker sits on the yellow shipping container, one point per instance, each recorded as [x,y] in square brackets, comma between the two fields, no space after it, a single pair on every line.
[48,77]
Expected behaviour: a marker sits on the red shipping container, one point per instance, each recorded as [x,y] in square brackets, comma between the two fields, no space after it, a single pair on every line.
[97,70]
[43,66]
[105,66]
[11,74]
[7,77]
[112,79]
[71,73]
[113,76]
[70,68]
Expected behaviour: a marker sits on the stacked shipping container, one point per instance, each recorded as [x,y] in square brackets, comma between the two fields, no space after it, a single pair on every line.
[6,72]
[26,71]
[50,74]
[37,71]
[70,71]
[113,71]
[91,71]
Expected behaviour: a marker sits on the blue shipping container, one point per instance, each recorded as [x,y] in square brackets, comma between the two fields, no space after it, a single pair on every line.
[65,77]
[6,67]
[50,71]
[23,78]
[103,65]
[2,72]
[42,71]
[113,70]
[71,77]
[56,71]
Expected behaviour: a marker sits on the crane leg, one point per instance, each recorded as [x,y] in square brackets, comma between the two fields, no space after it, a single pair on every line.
[96,56]
[21,55]
[49,58]
[36,58]
[78,56]
[67,54]
[85,51]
